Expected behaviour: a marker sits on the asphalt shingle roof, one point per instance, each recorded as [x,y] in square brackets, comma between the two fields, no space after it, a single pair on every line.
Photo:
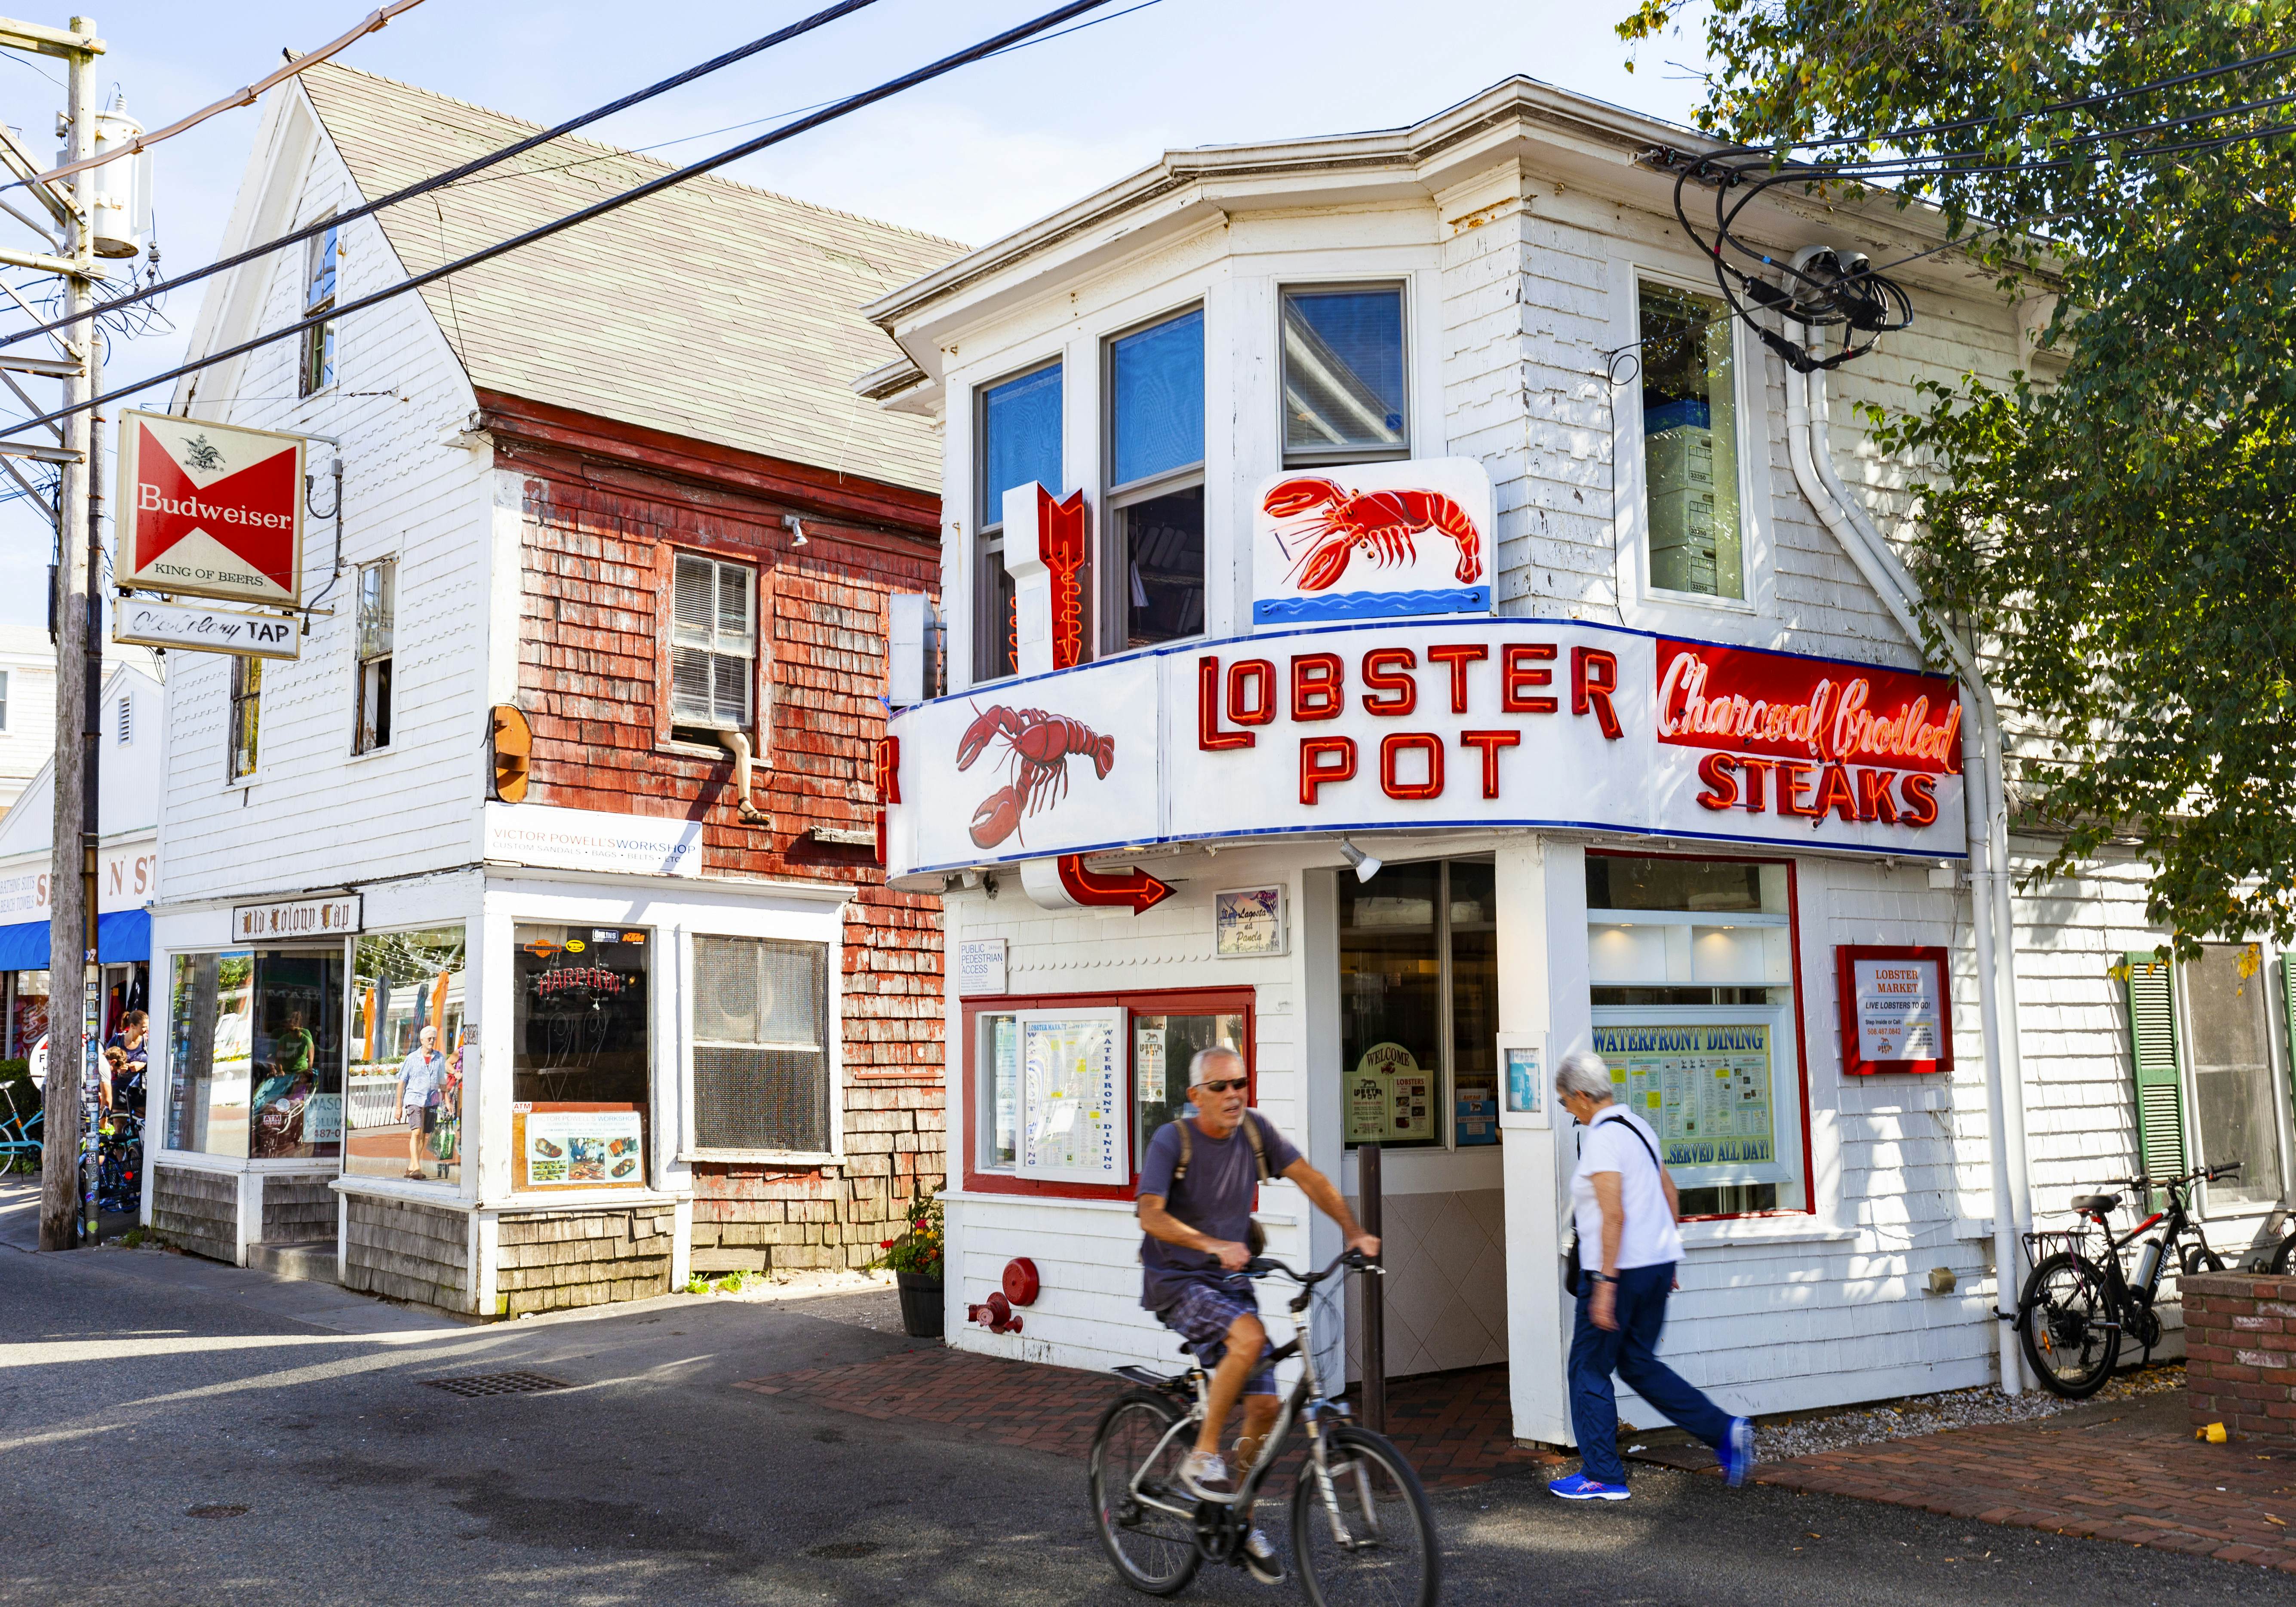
[712,309]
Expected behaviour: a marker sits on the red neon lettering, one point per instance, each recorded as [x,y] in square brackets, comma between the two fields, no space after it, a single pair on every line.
[1490,743]
[1318,683]
[1721,786]
[1314,774]
[1594,677]
[1789,775]
[1261,707]
[1210,737]
[1388,669]
[1834,793]
[1758,772]
[1458,655]
[1519,672]
[1921,798]
[1874,799]
[888,769]
[1391,750]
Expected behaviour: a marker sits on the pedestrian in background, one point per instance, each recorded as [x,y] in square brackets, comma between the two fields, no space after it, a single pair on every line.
[1624,1247]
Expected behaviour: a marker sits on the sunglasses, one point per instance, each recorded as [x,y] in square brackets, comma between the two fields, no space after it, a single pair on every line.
[1222,1087]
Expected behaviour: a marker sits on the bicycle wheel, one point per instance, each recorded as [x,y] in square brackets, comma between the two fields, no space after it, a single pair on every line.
[1369,1541]
[1146,1519]
[2284,1259]
[2200,1258]
[2066,1320]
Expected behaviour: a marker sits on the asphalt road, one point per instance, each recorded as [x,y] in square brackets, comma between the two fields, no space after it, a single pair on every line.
[175,1432]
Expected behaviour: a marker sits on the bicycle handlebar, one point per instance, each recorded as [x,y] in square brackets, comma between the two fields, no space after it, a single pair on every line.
[1261,1266]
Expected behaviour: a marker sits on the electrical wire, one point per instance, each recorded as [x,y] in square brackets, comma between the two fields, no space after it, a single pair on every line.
[678,176]
[439,180]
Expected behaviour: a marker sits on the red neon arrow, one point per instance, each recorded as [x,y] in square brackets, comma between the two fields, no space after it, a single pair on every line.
[1136,888]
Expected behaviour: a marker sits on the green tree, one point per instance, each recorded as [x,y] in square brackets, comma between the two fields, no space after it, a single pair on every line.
[2122,535]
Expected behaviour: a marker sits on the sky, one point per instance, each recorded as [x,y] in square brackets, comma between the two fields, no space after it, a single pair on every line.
[970,156]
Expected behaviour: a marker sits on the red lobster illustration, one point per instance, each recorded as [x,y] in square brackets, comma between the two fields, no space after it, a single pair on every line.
[1381,523]
[1041,745]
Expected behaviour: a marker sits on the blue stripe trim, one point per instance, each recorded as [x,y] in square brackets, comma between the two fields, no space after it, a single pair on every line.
[1372,605]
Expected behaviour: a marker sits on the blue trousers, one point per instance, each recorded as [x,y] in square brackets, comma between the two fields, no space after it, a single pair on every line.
[1631,1351]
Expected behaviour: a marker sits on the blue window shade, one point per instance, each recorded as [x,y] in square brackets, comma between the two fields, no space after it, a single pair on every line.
[1343,369]
[1158,397]
[1021,438]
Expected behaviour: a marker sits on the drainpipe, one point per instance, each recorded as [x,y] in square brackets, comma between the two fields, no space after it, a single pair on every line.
[1983,796]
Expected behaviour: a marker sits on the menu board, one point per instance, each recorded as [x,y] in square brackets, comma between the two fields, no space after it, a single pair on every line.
[1706,1087]
[577,1146]
[1075,1127]
[1389,1098]
[1896,1014]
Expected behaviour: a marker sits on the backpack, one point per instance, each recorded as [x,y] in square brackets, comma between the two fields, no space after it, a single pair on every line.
[1255,1238]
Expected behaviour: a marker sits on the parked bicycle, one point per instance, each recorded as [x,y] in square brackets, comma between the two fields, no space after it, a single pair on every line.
[119,1163]
[2078,1307]
[1360,1525]
[21,1121]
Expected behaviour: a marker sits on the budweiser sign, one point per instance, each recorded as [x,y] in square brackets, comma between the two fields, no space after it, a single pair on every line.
[1803,736]
[210,511]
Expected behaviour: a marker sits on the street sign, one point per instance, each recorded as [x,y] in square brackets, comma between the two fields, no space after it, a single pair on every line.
[195,627]
[211,510]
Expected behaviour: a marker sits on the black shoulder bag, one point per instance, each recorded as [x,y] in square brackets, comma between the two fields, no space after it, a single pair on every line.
[1572,1271]
[1255,1237]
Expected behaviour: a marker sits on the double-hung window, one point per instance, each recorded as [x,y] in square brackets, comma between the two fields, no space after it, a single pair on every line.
[761,1072]
[323,260]
[4,700]
[2208,1090]
[713,646]
[1155,586]
[246,717]
[1344,376]
[1690,442]
[378,587]
[1018,431]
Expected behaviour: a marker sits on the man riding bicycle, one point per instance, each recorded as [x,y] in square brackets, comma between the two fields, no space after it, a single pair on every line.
[1197,1184]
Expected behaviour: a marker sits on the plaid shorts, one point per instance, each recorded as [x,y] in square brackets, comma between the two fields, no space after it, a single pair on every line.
[1203,1316]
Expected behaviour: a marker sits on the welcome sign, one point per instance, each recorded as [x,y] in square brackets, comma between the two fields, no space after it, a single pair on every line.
[211,510]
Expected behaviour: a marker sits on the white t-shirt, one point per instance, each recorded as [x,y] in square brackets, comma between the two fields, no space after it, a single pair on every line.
[1649,1239]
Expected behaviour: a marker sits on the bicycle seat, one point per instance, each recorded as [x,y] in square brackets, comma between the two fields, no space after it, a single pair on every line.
[2096,1205]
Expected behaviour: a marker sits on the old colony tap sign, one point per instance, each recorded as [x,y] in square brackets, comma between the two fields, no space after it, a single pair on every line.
[210,511]
[1453,723]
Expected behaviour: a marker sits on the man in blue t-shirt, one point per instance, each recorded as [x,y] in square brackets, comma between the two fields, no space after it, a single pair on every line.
[1192,1259]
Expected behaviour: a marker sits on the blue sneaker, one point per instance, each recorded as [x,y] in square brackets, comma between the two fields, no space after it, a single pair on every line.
[1578,1487]
[1737,1451]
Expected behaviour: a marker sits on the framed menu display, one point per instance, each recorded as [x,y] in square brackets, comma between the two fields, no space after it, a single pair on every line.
[1076,1124]
[1711,1084]
[577,1145]
[1897,1009]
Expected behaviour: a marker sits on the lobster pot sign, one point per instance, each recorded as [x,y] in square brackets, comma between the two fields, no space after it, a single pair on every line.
[1054,765]
[210,511]
[1373,541]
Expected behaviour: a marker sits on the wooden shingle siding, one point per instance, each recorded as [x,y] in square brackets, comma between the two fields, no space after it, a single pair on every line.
[407,1251]
[298,1209]
[198,1212]
[553,1259]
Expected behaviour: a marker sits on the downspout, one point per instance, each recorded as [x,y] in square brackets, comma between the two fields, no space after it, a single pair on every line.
[1812,458]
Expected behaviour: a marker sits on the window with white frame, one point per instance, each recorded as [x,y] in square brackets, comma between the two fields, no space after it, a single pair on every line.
[4,700]
[378,601]
[1688,380]
[2208,1082]
[762,1063]
[1155,587]
[246,717]
[322,261]
[713,646]
[1345,385]
[1018,431]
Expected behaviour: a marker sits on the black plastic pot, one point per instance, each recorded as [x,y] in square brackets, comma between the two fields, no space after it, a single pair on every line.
[921,1306]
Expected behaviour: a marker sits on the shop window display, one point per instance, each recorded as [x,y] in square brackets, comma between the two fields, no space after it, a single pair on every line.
[1418,1005]
[256,1066]
[412,1054]
[581,1055]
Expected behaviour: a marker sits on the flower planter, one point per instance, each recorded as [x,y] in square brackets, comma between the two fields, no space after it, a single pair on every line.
[921,1305]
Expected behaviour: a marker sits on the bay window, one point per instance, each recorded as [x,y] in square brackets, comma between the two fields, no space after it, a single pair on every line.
[1018,427]
[404,1103]
[581,1055]
[1688,380]
[256,1053]
[1155,587]
[1344,377]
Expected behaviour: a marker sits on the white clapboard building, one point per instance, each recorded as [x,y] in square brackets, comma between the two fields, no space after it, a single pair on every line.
[1399,626]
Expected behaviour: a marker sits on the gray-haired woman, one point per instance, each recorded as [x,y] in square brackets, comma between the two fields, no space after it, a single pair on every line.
[1625,1208]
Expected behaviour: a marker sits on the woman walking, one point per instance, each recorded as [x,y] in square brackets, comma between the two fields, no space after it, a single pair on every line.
[1624,1247]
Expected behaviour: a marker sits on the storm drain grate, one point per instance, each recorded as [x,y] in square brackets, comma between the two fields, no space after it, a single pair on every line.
[498,1384]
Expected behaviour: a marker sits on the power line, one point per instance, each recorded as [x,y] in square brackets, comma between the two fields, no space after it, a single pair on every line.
[439,180]
[844,108]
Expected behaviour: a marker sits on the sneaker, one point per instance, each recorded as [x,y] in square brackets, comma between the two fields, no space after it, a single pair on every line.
[1259,1558]
[1737,1451]
[1578,1487]
[1202,1470]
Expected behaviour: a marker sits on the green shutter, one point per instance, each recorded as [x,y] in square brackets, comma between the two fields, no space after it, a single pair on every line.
[2153,1052]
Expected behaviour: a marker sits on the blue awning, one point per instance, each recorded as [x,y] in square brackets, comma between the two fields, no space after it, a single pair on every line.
[121,936]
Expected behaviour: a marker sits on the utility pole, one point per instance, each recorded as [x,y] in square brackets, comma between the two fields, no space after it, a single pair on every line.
[79,654]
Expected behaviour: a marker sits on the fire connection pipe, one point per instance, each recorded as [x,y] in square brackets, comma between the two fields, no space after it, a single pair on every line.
[1985,797]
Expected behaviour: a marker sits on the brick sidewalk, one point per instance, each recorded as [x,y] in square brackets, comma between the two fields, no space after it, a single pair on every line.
[1456,1428]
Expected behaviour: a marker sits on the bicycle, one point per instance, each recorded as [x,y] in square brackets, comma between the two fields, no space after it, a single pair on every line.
[1360,1525]
[2077,1308]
